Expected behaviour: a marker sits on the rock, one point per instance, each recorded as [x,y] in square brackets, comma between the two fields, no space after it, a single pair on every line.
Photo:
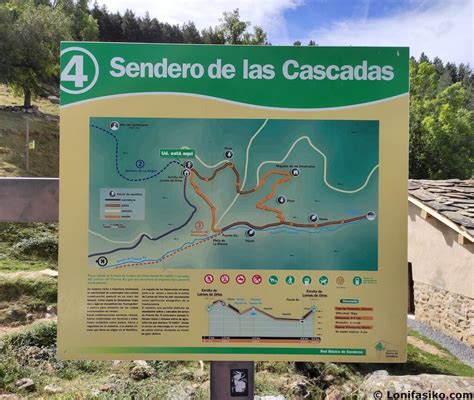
[26,384]
[48,368]
[50,316]
[53,99]
[52,273]
[328,378]
[140,363]
[15,314]
[396,384]
[51,310]
[52,389]
[300,389]
[30,317]
[8,396]
[381,373]
[35,355]
[333,393]
[139,372]
[108,387]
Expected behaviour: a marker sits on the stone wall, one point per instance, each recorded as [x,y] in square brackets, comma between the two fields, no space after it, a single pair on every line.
[448,312]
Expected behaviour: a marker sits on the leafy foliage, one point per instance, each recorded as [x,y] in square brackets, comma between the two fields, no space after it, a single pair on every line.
[40,335]
[30,45]
[30,241]
[441,95]
[43,247]
[441,120]
[235,31]
[39,290]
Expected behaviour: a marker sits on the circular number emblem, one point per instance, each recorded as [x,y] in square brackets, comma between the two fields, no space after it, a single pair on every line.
[79,70]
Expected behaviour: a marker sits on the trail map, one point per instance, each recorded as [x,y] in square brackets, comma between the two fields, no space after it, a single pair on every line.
[233,193]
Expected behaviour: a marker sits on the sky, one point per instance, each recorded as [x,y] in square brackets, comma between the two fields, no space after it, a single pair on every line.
[442,28]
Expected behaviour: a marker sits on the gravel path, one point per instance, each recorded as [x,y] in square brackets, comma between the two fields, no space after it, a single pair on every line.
[454,346]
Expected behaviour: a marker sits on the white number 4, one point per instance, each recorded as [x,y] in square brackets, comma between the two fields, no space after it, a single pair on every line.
[76,63]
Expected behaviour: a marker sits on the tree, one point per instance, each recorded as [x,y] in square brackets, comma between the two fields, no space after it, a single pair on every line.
[130,27]
[85,27]
[424,58]
[423,86]
[31,46]
[297,43]
[172,33]
[151,31]
[312,43]
[110,25]
[441,122]
[439,66]
[259,37]
[235,31]
[190,33]
[232,28]
[212,36]
[448,132]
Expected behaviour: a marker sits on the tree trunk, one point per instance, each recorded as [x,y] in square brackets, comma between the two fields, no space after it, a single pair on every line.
[27,101]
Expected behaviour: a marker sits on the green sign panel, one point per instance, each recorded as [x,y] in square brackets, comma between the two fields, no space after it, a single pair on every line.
[267,76]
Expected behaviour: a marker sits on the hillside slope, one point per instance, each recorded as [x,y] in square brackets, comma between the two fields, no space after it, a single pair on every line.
[44,131]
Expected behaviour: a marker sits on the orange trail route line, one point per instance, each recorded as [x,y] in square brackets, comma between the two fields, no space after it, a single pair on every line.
[208,202]
[260,204]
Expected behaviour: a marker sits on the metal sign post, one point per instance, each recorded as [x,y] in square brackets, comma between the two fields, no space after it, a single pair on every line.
[27,144]
[232,379]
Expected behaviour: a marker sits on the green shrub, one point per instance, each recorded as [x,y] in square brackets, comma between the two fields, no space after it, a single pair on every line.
[12,232]
[44,247]
[72,369]
[39,290]
[10,371]
[164,366]
[39,335]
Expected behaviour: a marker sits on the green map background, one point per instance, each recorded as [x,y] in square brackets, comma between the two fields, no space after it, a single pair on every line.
[351,148]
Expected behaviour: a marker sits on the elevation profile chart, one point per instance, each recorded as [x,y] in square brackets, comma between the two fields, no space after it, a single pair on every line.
[199,193]
[228,323]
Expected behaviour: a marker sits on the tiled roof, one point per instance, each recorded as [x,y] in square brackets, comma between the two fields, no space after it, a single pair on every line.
[452,198]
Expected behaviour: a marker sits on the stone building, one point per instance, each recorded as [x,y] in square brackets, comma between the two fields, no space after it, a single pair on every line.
[441,255]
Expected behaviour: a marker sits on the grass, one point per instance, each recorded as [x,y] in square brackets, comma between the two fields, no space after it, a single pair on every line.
[421,362]
[44,105]
[44,159]
[13,265]
[446,365]
[28,247]
[21,296]
[41,289]
[31,353]
[25,248]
